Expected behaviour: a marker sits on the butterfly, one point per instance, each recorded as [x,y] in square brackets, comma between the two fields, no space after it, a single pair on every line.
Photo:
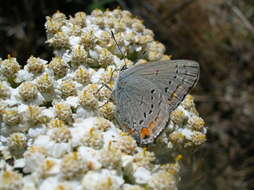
[146,94]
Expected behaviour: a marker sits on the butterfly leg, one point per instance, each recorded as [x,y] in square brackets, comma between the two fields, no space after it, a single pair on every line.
[104,85]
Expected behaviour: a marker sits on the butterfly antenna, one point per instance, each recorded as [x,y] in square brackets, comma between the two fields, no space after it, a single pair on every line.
[123,57]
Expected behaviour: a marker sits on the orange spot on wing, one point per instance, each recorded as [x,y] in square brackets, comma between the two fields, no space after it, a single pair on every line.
[152,124]
[131,131]
[174,95]
[146,132]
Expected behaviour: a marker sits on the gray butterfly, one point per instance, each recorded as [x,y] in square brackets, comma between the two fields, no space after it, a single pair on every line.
[146,94]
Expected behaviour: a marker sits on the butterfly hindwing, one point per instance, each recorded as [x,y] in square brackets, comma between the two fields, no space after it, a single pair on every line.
[142,108]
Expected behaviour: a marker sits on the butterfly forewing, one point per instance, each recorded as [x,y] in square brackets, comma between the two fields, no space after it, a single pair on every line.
[174,78]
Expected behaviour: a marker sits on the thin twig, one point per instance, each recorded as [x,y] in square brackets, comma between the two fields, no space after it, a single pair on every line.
[242,17]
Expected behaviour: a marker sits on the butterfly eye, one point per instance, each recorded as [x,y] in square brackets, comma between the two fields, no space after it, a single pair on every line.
[152,91]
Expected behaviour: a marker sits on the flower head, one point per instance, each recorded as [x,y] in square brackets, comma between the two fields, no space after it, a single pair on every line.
[58,120]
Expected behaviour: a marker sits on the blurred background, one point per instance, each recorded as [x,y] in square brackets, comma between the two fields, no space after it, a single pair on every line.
[219,34]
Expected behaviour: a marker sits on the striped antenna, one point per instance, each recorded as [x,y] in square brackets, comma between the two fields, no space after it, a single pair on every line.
[123,57]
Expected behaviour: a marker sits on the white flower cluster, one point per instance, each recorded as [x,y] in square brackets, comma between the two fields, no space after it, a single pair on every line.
[57,125]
